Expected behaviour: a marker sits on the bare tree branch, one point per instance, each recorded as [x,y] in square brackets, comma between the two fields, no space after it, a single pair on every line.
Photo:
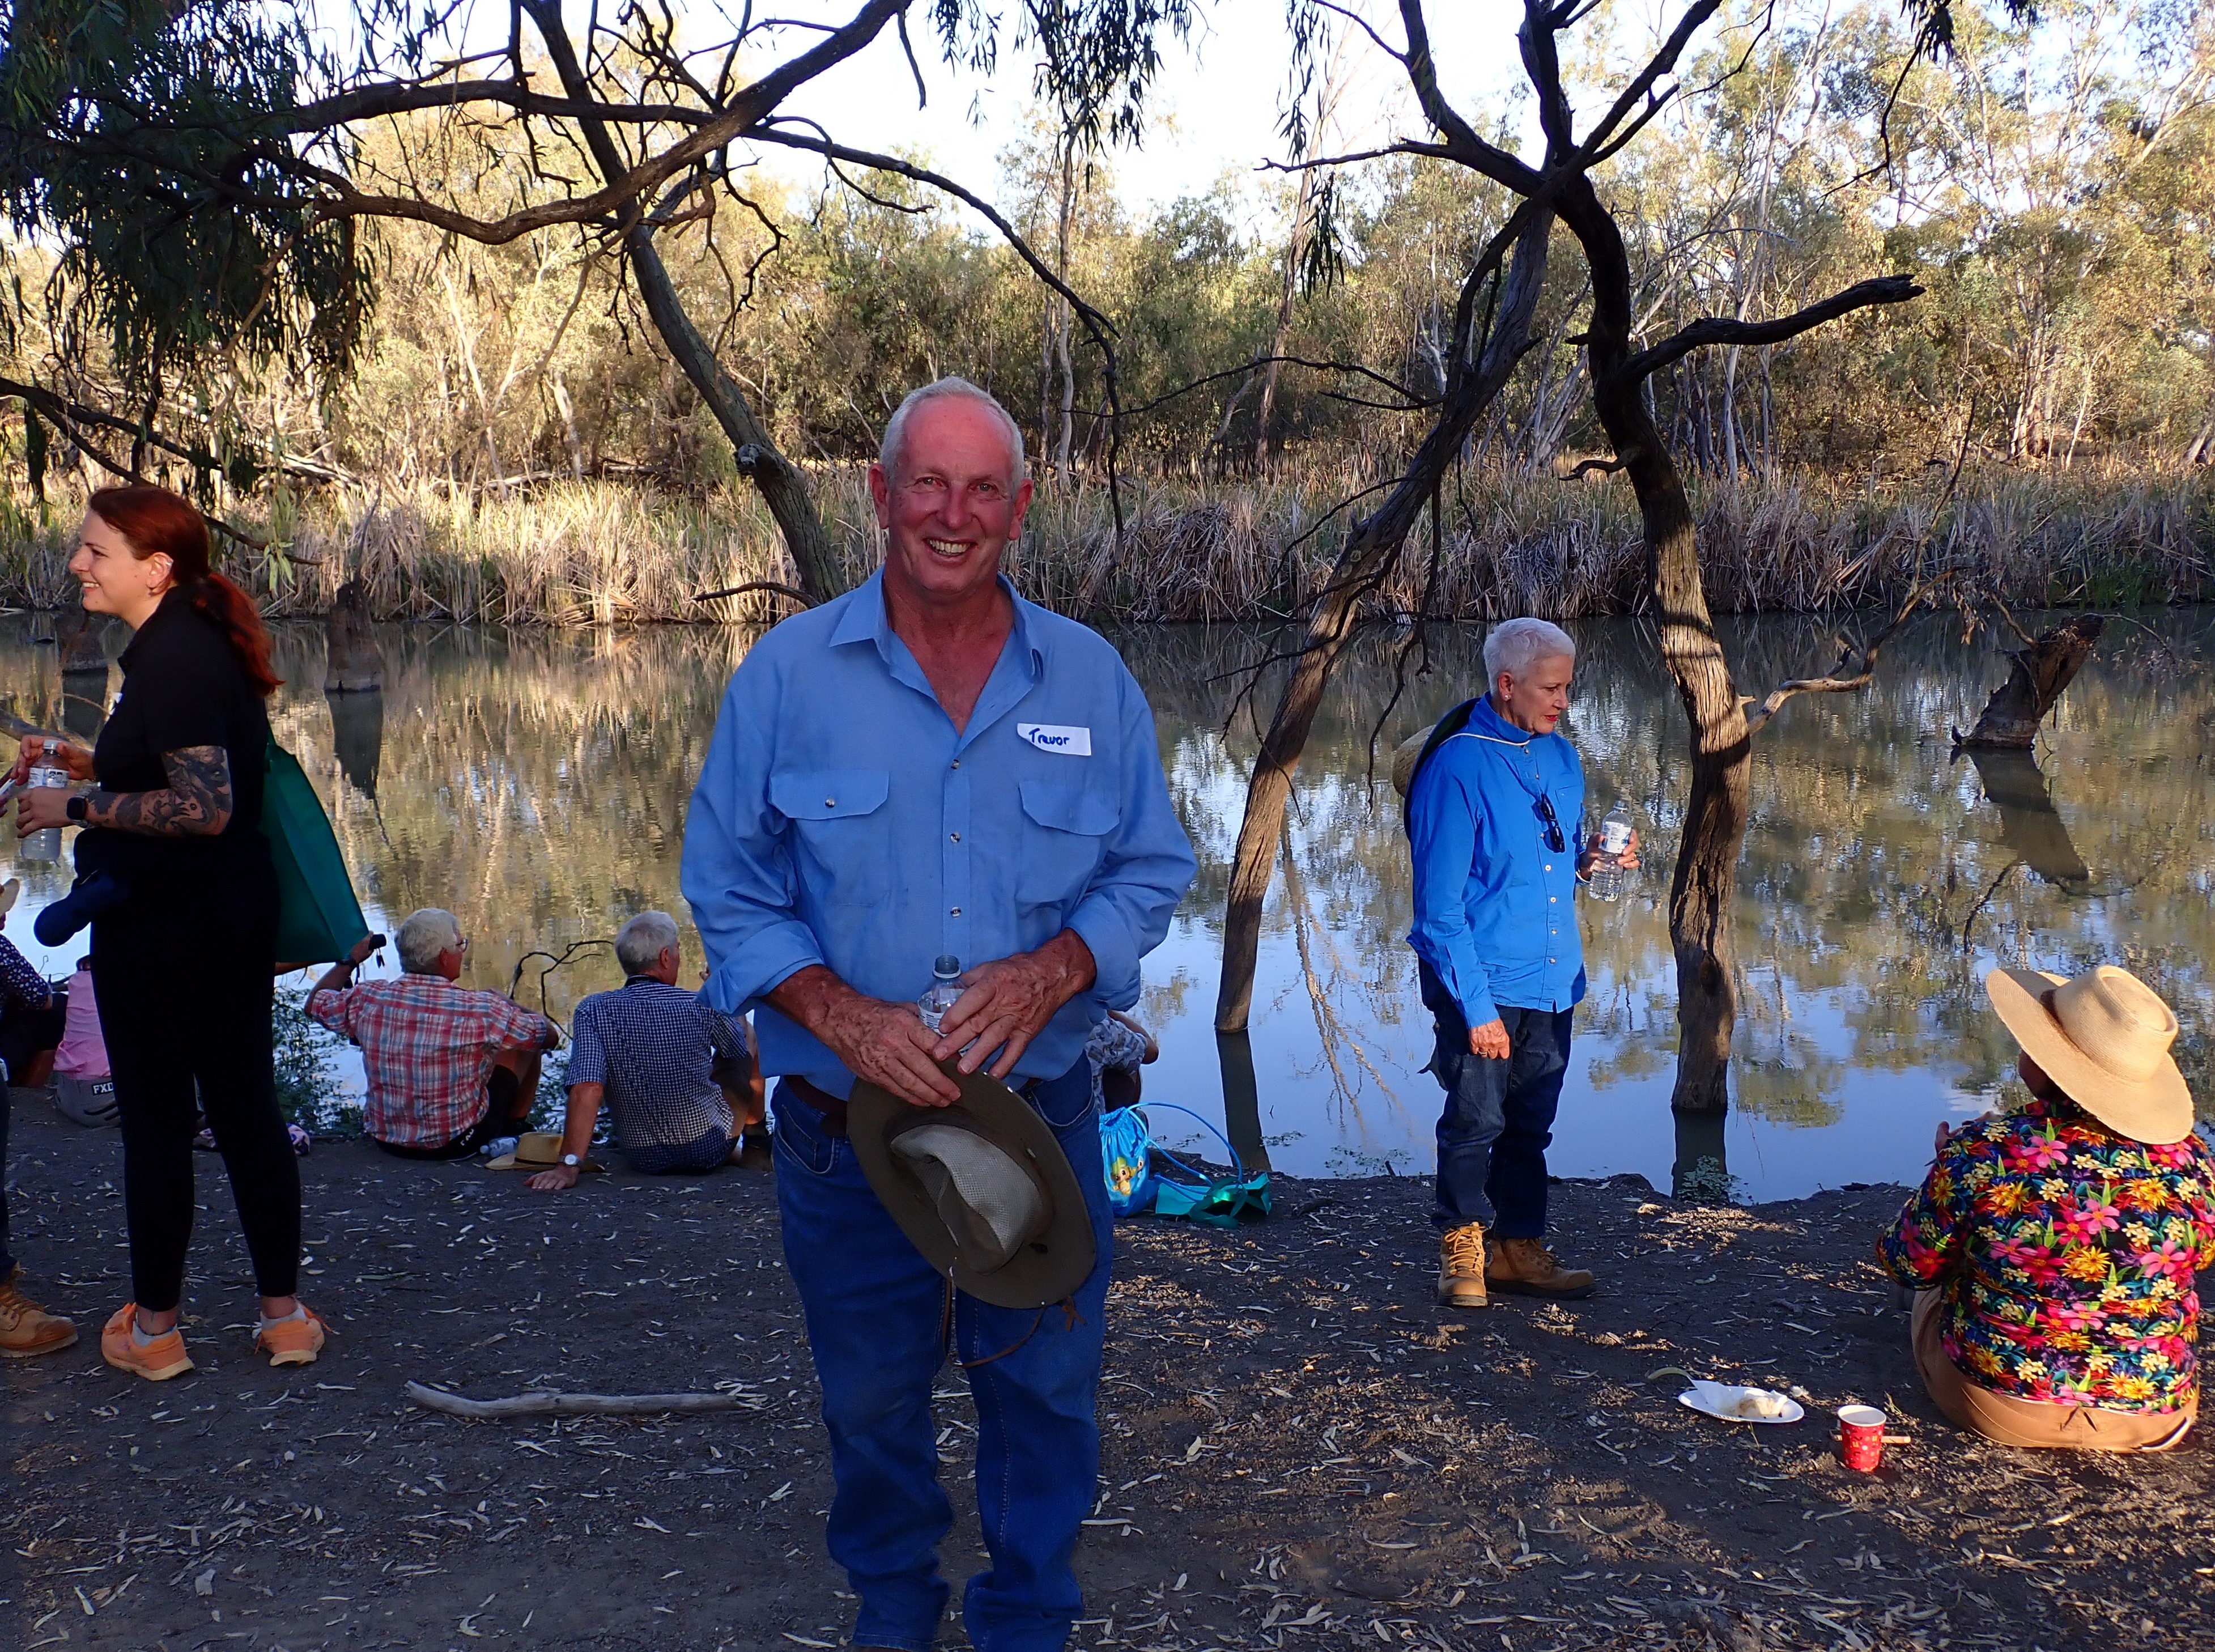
[1714,329]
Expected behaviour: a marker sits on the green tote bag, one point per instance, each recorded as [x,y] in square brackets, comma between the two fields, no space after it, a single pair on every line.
[318,917]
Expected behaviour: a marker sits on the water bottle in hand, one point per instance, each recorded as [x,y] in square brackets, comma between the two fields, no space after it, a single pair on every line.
[938,998]
[1609,875]
[45,846]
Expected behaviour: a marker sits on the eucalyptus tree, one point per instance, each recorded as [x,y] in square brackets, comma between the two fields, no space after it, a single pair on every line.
[1563,182]
[198,177]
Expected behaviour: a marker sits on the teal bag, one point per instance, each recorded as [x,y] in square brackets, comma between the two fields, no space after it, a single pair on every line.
[318,917]
[1144,1175]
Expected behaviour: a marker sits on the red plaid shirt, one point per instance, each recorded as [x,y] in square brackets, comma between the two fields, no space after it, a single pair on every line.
[428,1047]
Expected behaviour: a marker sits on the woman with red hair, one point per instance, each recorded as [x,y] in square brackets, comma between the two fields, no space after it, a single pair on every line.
[183,963]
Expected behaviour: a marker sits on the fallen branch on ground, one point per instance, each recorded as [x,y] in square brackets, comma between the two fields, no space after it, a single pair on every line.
[570,1405]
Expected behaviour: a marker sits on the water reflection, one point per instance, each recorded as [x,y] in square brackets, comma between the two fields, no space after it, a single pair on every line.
[537,783]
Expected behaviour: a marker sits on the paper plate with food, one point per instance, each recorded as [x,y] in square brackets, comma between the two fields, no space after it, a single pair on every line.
[1728,1403]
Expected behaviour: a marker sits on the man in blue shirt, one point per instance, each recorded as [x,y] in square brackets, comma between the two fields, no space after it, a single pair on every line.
[929,766]
[1494,827]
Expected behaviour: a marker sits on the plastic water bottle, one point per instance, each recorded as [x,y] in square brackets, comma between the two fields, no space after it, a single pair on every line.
[938,998]
[45,847]
[1608,873]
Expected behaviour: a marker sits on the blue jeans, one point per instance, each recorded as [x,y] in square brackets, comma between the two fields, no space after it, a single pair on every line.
[876,1327]
[1499,1116]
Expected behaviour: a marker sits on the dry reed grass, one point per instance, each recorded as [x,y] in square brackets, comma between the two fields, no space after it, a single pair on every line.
[599,554]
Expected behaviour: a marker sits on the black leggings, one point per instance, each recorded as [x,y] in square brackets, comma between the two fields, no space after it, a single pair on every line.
[186,989]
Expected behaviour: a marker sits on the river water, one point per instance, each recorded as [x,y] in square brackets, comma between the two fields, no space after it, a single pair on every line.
[536,783]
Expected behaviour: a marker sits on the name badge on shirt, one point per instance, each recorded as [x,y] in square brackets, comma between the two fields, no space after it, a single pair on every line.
[1069,740]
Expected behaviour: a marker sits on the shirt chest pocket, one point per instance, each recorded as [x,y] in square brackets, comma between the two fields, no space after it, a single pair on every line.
[1067,828]
[843,829]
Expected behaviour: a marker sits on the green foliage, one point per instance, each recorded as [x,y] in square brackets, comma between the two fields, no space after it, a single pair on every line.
[308,1091]
[149,145]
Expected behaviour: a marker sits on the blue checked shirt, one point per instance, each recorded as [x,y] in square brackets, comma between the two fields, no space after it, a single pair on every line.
[1496,908]
[840,819]
[653,1045]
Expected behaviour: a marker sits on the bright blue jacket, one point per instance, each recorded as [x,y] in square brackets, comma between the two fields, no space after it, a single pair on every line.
[1496,908]
[841,820]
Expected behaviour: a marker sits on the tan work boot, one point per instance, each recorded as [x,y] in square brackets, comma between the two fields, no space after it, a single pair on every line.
[1461,1268]
[26,1329]
[1526,1267]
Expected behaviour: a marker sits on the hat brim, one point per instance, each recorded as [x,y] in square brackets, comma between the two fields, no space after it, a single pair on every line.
[509,1162]
[2157,1110]
[1044,1271]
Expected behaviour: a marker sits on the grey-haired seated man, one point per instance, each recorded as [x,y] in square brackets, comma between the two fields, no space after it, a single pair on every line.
[679,1076]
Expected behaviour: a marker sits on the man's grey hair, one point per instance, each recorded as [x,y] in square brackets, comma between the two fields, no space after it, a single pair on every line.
[889,454]
[424,934]
[640,943]
[1518,645]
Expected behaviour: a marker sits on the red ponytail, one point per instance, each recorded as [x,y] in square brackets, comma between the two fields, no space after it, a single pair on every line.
[156,523]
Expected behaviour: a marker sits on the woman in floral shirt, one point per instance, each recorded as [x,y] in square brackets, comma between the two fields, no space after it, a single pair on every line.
[2057,1245]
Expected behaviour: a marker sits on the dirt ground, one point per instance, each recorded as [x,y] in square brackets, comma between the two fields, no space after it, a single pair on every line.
[1302,1451]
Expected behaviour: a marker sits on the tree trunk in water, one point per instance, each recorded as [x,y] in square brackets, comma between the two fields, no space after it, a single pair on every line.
[1701,893]
[352,662]
[2037,676]
[80,636]
[1368,550]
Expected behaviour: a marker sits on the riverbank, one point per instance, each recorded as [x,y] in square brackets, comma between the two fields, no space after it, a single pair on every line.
[1300,1450]
[603,553]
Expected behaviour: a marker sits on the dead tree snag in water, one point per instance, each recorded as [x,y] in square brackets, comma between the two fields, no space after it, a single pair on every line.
[2038,675]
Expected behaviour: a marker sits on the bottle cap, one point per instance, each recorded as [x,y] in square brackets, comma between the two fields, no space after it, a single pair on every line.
[947,966]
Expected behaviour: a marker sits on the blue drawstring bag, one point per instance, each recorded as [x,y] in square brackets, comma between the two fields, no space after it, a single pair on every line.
[1127,1154]
[1143,1175]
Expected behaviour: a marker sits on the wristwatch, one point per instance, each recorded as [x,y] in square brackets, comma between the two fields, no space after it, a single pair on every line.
[572,1160]
[74,809]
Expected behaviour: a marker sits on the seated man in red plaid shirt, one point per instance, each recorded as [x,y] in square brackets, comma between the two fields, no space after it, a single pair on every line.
[450,1067]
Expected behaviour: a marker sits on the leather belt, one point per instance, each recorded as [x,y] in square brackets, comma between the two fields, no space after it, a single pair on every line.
[832,1108]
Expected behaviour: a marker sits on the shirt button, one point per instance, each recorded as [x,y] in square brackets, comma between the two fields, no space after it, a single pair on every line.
[957,911]
[957,762]
[830,802]
[957,837]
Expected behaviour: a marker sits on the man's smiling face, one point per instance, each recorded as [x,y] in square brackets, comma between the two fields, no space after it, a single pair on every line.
[953,505]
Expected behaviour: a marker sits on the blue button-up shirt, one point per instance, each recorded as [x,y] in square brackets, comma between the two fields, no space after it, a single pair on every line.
[1496,908]
[841,820]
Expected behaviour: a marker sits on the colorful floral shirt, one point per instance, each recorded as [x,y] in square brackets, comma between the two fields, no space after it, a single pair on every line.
[2066,1253]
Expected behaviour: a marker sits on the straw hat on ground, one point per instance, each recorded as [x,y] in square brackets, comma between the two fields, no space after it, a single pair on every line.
[537,1150]
[2104,1039]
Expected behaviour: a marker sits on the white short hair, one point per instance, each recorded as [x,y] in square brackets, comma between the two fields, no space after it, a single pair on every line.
[640,943]
[423,934]
[896,427]
[1517,645]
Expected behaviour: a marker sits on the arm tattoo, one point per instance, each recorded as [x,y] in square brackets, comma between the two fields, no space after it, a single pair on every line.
[197,803]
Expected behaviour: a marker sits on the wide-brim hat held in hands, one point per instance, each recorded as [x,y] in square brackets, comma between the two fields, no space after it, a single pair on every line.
[980,1186]
[2104,1038]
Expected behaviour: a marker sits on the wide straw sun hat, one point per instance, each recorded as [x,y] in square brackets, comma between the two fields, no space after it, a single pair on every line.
[2104,1038]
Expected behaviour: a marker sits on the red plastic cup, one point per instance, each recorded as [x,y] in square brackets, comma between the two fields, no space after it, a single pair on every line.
[1861,1437]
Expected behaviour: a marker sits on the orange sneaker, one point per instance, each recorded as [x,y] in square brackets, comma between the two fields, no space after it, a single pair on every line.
[292,1341]
[157,1361]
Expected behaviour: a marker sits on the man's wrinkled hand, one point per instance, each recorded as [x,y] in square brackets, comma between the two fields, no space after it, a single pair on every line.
[552,1181]
[1489,1041]
[888,1045]
[1007,1001]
